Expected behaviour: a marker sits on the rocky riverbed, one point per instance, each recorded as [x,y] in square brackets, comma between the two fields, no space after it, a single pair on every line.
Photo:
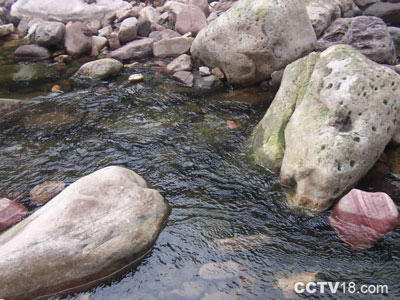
[274,143]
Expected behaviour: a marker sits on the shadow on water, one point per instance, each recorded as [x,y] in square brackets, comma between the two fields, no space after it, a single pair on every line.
[179,142]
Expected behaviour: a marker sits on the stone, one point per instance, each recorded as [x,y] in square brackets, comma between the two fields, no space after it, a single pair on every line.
[128,12]
[98,43]
[190,19]
[101,224]
[276,78]
[364,3]
[218,73]
[105,31]
[184,77]
[244,243]
[31,53]
[265,43]
[128,30]
[10,213]
[56,89]
[94,26]
[287,282]
[210,82]
[395,35]
[78,39]
[172,47]
[204,71]
[101,68]
[136,49]
[113,41]
[181,63]
[221,270]
[49,34]
[6,29]
[45,191]
[62,59]
[144,29]
[150,14]
[65,11]
[387,11]
[10,105]
[369,35]
[202,4]
[136,78]
[329,123]
[361,218]
[164,34]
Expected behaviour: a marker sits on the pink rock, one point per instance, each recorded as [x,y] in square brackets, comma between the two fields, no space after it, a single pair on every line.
[10,213]
[361,218]
[190,19]
[184,77]
[78,39]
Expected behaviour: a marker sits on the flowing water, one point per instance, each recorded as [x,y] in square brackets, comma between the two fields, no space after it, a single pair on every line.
[178,140]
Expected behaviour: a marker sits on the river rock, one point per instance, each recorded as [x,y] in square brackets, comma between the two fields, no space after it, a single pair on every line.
[113,41]
[150,14]
[98,225]
[209,82]
[65,11]
[221,270]
[101,68]
[388,11]
[361,218]
[266,43]
[136,49]
[181,63]
[31,53]
[190,19]
[9,105]
[164,34]
[98,43]
[10,213]
[6,29]
[128,30]
[49,34]
[369,35]
[329,123]
[172,47]
[395,34]
[78,39]
[45,191]
[184,77]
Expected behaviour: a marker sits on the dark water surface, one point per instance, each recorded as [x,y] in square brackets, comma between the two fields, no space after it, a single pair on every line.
[179,142]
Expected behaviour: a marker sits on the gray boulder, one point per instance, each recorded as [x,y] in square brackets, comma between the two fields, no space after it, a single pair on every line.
[98,225]
[388,11]
[49,34]
[172,47]
[78,39]
[101,68]
[31,53]
[6,29]
[329,123]
[251,40]
[369,35]
[128,30]
[135,49]
[71,10]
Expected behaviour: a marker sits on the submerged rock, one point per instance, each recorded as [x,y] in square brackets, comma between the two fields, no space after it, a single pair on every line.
[9,105]
[268,41]
[221,270]
[98,225]
[369,35]
[329,123]
[10,213]
[101,68]
[31,53]
[181,63]
[45,191]
[361,218]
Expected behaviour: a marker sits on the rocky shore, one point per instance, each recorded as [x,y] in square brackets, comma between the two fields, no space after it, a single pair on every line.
[335,65]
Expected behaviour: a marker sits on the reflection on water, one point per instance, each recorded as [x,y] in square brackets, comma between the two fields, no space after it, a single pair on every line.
[181,144]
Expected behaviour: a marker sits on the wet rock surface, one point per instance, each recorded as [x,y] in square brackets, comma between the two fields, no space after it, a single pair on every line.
[10,213]
[45,191]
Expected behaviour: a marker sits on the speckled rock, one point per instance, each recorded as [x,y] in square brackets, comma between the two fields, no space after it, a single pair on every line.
[101,68]
[329,123]
[369,35]
[265,43]
[98,225]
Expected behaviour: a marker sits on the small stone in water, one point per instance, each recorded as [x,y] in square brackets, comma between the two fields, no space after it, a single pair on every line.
[361,218]
[44,192]
[232,124]
[221,270]
[10,213]
[134,64]
[250,242]
[204,71]
[136,78]
[56,88]
[286,283]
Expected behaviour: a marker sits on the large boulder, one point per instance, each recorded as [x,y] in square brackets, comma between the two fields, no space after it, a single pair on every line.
[98,225]
[361,218]
[329,123]
[49,34]
[101,68]
[71,10]
[254,38]
[388,11]
[190,19]
[78,39]
[369,35]
[128,30]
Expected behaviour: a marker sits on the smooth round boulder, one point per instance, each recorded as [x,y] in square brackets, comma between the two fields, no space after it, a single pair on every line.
[101,224]
[78,39]
[49,34]
[329,123]
[254,38]
[128,30]
[31,53]
[101,68]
